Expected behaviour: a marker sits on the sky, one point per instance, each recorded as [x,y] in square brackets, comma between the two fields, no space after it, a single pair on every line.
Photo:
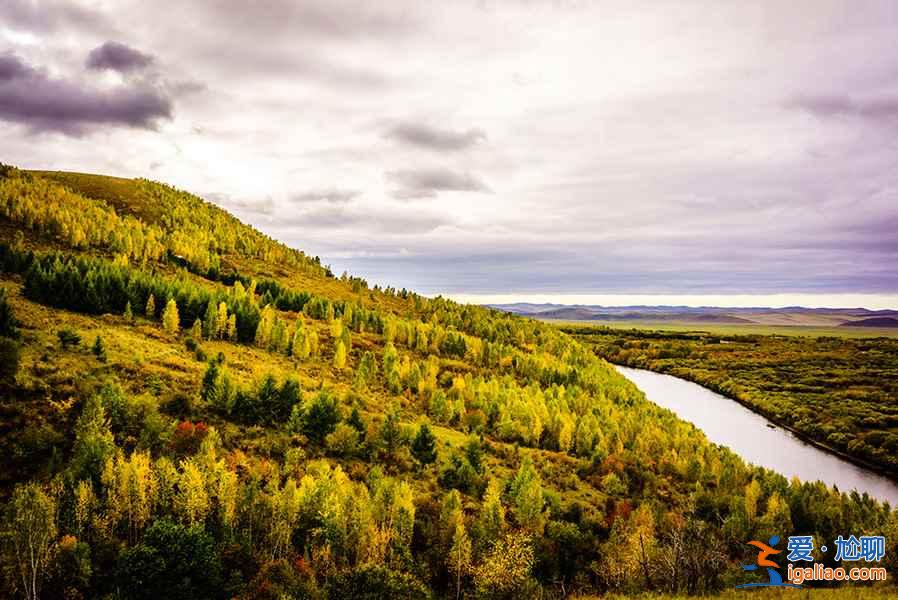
[485,149]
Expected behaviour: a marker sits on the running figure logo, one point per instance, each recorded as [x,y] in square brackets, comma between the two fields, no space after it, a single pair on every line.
[774,577]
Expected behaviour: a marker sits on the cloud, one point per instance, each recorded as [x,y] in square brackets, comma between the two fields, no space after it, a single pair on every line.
[381,220]
[49,15]
[432,138]
[331,196]
[116,56]
[30,97]
[425,183]
[884,107]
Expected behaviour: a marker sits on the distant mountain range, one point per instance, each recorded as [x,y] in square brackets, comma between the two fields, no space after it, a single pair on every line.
[791,315]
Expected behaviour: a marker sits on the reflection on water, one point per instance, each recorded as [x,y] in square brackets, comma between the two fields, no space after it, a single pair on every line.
[753,437]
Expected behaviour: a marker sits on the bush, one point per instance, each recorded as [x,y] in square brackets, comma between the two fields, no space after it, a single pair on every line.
[374,582]
[344,441]
[173,562]
[68,337]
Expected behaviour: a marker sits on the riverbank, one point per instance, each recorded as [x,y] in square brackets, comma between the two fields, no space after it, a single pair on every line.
[751,436]
[758,410]
[836,394]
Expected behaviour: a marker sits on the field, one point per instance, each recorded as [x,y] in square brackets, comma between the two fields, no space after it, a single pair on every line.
[724,329]
[838,391]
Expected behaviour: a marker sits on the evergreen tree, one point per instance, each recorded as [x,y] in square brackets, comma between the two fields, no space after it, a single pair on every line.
[171,322]
[128,314]
[210,321]
[99,349]
[151,307]
[196,331]
[424,446]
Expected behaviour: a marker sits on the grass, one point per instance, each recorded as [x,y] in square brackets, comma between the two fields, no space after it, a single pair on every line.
[732,329]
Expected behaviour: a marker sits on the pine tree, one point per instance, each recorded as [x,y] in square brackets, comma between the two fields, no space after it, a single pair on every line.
[196,332]
[151,307]
[99,349]
[424,446]
[210,321]
[171,322]
[128,315]
[232,327]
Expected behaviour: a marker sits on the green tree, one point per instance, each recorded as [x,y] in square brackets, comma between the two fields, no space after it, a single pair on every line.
[320,416]
[172,561]
[68,337]
[94,442]
[8,322]
[150,310]
[526,493]
[424,446]
[99,349]
[128,315]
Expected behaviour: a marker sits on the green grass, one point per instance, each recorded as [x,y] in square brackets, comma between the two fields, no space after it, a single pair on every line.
[731,329]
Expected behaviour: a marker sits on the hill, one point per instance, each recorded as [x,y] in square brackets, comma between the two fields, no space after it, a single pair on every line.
[873,322]
[192,409]
[788,316]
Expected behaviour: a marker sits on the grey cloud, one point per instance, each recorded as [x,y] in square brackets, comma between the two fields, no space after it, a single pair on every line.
[265,206]
[30,97]
[331,196]
[335,216]
[49,15]
[877,108]
[432,138]
[116,56]
[426,183]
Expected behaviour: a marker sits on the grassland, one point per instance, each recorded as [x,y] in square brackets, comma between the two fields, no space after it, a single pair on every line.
[737,329]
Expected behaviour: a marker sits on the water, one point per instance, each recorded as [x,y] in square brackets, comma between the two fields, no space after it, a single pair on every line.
[748,434]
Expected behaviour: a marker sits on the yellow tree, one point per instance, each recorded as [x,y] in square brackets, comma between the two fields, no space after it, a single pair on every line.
[171,322]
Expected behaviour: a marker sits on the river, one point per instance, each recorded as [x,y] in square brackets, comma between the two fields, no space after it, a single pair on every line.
[756,439]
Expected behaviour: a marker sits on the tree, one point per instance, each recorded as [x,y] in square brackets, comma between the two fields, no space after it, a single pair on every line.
[150,310]
[31,531]
[8,322]
[526,494]
[68,337]
[492,514]
[196,331]
[460,555]
[171,322]
[344,440]
[128,315]
[99,349]
[424,446]
[320,417]
[210,321]
[10,356]
[506,569]
[340,355]
[94,442]
[172,561]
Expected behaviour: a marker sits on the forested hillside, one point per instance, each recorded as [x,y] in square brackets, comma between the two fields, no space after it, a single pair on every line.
[191,409]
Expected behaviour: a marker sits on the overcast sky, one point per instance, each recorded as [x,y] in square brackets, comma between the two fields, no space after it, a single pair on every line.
[518,148]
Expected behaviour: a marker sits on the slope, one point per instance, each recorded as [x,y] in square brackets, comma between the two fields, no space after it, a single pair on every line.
[192,409]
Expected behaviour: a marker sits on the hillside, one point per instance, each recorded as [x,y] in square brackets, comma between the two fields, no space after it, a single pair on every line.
[194,410]
[873,322]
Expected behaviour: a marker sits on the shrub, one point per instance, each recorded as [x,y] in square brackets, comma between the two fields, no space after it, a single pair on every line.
[68,337]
